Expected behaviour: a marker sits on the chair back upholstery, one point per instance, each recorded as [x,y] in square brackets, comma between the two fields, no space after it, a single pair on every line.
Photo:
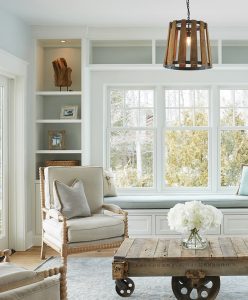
[92,178]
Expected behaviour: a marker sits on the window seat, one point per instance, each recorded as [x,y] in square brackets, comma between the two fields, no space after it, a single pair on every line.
[168,201]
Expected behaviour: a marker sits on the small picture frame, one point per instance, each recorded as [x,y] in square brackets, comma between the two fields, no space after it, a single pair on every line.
[69,112]
[56,139]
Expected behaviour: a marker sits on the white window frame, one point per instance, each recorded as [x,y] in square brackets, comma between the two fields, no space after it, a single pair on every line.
[227,189]
[152,129]
[208,128]
[214,134]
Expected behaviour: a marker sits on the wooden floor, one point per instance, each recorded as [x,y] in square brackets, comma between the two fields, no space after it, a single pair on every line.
[30,259]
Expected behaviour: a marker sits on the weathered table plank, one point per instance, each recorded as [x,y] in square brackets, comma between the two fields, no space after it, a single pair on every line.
[239,246]
[226,246]
[162,248]
[175,248]
[148,248]
[215,249]
[123,250]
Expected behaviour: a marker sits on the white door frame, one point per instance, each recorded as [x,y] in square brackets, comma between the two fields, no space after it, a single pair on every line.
[16,69]
[4,240]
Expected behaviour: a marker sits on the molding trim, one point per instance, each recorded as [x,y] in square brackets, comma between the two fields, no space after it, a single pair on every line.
[16,69]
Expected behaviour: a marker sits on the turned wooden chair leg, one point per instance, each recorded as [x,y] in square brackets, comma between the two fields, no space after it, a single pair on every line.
[63,280]
[43,250]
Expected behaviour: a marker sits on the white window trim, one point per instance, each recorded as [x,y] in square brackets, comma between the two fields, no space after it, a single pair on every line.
[214,130]
[132,190]
[16,69]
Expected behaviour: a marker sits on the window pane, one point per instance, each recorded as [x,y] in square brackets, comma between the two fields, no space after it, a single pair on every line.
[201,98]
[171,98]
[234,153]
[146,98]
[132,118]
[241,117]
[172,117]
[226,98]
[132,98]
[201,117]
[186,117]
[131,157]
[117,116]
[226,117]
[146,118]
[241,98]
[116,97]
[186,98]
[186,161]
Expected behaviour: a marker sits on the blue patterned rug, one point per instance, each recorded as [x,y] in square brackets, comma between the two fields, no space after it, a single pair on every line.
[91,279]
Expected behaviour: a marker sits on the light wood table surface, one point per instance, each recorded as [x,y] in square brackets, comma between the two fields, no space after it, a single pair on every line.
[194,272]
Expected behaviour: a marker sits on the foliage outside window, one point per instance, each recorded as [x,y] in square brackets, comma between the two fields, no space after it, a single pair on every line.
[186,138]
[132,136]
[234,134]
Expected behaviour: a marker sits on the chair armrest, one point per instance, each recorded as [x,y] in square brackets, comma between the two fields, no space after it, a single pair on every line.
[115,209]
[53,213]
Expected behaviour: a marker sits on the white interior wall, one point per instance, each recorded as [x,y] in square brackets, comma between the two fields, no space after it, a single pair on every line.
[16,40]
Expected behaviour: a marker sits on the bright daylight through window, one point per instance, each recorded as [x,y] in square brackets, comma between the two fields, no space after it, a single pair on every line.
[186,129]
[132,136]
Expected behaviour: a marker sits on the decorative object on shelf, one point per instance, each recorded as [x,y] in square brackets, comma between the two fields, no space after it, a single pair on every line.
[192,219]
[188,46]
[69,112]
[243,186]
[56,139]
[62,73]
[64,163]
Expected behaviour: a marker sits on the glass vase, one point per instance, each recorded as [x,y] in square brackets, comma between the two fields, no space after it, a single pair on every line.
[194,240]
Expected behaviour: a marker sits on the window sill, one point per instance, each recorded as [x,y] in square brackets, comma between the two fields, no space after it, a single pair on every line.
[168,201]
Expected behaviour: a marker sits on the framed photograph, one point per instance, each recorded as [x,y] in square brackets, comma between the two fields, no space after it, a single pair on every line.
[69,112]
[56,139]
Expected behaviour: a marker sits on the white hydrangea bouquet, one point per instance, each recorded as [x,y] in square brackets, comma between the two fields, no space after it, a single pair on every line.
[194,218]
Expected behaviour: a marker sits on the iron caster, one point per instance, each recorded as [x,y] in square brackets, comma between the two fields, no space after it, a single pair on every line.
[124,287]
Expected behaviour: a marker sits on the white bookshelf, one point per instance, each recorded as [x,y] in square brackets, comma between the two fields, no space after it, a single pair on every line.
[49,101]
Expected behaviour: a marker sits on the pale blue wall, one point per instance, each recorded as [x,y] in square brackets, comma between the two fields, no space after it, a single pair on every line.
[15,36]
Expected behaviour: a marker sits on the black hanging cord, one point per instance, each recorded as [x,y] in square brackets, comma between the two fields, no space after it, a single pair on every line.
[188,18]
[187,3]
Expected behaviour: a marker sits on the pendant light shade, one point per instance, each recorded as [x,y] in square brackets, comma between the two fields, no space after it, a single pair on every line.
[188,46]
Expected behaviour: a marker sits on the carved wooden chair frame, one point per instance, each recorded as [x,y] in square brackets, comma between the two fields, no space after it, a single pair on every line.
[44,274]
[65,248]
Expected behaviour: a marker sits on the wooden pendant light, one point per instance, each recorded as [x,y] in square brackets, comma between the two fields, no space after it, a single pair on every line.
[188,46]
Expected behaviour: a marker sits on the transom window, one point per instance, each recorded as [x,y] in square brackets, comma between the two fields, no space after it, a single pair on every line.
[173,149]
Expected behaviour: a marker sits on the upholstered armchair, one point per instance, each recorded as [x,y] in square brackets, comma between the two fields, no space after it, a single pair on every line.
[106,227]
[19,283]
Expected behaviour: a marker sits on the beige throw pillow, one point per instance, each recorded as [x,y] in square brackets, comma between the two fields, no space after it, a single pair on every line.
[71,200]
[109,184]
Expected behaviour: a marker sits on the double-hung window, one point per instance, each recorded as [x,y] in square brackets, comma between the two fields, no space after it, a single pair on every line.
[132,136]
[234,134]
[186,138]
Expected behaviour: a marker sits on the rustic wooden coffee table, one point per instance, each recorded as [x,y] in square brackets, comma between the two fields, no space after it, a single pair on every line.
[195,273]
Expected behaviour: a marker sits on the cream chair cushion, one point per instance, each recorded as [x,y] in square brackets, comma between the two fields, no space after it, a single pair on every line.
[92,178]
[71,200]
[48,289]
[96,227]
[12,276]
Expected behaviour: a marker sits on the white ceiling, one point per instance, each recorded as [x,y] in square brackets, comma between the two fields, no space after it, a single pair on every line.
[126,12]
